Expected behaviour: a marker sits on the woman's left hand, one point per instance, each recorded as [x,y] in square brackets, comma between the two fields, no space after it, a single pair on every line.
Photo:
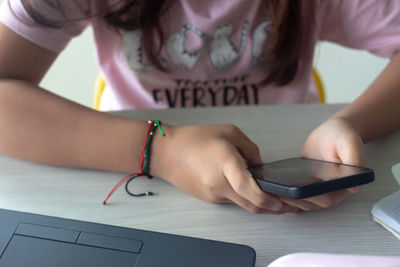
[334,140]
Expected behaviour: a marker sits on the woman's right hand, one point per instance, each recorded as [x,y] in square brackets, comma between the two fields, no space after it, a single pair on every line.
[210,162]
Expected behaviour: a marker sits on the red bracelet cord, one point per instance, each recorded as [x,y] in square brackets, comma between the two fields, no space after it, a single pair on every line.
[135,174]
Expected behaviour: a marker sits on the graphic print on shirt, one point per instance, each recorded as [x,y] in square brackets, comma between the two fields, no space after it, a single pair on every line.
[134,52]
[259,36]
[231,91]
[223,52]
[177,52]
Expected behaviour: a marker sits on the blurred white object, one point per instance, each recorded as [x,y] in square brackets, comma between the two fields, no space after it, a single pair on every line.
[396,172]
[334,260]
[386,212]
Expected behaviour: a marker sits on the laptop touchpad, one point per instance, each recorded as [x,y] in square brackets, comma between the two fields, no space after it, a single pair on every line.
[36,250]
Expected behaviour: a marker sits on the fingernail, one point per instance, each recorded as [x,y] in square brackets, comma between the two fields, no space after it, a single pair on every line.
[355,189]
[276,205]
[294,210]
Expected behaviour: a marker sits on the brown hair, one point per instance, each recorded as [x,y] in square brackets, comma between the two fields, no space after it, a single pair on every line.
[280,55]
[282,50]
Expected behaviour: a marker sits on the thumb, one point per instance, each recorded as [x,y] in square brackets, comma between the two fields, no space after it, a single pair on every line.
[250,153]
[350,151]
[246,148]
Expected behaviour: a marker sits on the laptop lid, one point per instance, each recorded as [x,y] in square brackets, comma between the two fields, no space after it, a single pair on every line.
[42,241]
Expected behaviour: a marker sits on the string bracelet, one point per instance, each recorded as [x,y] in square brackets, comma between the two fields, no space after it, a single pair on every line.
[144,163]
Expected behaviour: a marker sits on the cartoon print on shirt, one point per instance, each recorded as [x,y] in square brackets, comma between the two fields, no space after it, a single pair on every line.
[223,51]
[134,51]
[180,56]
[259,36]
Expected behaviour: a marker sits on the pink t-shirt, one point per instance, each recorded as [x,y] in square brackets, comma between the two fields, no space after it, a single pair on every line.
[211,49]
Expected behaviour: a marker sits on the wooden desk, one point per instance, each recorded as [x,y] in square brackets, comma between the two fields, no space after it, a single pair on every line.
[280,132]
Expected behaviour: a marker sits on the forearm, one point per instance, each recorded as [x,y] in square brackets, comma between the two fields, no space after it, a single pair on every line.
[38,126]
[376,111]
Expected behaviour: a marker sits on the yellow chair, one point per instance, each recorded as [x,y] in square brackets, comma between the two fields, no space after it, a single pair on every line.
[319,85]
[101,84]
[98,90]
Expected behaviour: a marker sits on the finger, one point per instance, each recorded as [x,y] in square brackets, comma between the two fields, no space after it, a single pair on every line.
[329,199]
[249,206]
[244,184]
[301,204]
[353,190]
[340,197]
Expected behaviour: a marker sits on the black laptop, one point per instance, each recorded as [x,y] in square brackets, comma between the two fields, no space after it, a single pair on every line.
[30,240]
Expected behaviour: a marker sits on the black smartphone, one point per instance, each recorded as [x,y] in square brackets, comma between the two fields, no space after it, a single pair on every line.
[302,177]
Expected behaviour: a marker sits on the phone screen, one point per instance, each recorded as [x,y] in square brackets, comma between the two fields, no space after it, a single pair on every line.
[302,171]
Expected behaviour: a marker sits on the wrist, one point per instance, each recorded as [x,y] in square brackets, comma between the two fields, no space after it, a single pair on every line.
[160,149]
[146,157]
